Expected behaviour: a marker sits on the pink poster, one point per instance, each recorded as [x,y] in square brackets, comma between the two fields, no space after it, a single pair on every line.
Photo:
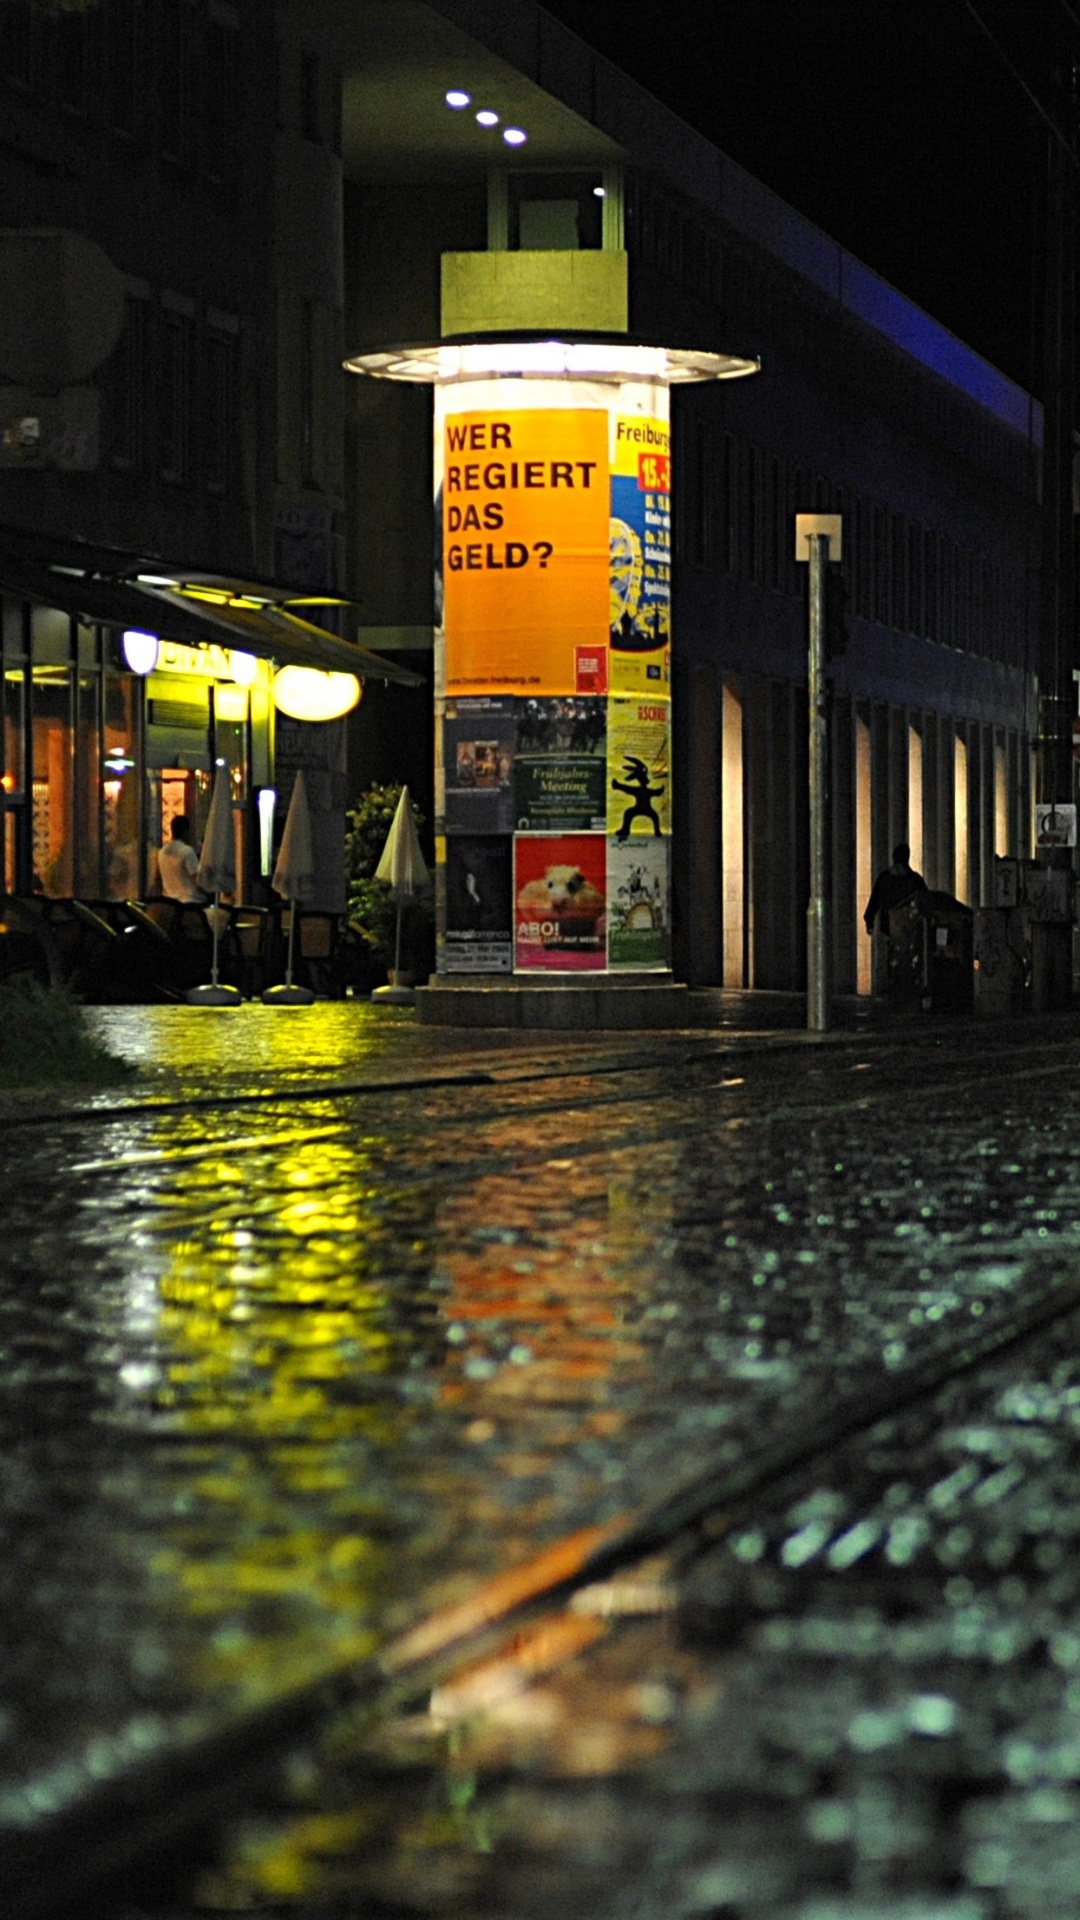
[560,902]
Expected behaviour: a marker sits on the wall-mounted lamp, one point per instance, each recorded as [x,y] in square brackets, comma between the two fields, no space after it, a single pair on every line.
[140,650]
[243,667]
[303,693]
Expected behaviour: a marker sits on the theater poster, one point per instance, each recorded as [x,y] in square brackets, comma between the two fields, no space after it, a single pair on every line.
[560,902]
[639,929]
[479,893]
[560,766]
[479,737]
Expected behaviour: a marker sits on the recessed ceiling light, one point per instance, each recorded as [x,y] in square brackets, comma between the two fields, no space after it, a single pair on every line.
[455,98]
[487,118]
[514,137]
[600,192]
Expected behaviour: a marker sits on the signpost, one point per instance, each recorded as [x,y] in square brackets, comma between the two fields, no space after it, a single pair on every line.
[818,539]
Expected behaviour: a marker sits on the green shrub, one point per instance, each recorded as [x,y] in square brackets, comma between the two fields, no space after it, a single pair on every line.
[372,908]
[44,1040]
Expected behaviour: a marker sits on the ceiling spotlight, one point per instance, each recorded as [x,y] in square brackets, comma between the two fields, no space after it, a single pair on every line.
[600,192]
[455,98]
[514,137]
[487,118]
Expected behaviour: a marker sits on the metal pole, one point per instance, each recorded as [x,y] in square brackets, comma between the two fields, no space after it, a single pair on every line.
[817,945]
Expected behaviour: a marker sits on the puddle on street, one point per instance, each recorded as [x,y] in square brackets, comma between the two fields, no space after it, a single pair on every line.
[265,1407]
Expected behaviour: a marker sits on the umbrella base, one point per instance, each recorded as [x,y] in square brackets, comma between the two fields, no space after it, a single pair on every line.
[211,996]
[288,997]
[394,996]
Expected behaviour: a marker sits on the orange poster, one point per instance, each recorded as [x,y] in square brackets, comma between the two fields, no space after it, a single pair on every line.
[525,542]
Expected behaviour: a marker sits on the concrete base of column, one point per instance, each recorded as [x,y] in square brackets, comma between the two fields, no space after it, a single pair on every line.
[568,1006]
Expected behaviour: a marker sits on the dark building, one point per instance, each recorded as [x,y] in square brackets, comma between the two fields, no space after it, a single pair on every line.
[277,185]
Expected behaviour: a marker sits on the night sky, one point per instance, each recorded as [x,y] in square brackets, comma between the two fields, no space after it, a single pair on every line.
[893,124]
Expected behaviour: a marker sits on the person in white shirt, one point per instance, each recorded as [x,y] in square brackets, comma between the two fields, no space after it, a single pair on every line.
[178,864]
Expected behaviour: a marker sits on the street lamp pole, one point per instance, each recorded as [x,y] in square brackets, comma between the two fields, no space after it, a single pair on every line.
[817,540]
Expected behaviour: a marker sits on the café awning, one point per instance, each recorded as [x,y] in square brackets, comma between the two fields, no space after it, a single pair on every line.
[203,611]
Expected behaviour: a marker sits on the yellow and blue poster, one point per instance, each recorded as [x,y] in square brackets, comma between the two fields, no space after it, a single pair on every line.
[640,609]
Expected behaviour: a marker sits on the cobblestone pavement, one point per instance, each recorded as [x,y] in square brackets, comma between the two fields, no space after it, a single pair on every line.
[279,1379]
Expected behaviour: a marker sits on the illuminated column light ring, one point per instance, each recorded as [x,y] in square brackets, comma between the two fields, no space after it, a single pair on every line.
[303,693]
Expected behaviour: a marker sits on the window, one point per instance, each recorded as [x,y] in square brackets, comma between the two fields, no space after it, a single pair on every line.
[124,65]
[127,386]
[310,116]
[19,33]
[71,55]
[219,410]
[178,64]
[559,211]
[174,395]
[221,79]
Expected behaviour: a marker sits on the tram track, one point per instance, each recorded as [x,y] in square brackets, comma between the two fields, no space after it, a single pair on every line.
[507,1109]
[513,1629]
[561,1068]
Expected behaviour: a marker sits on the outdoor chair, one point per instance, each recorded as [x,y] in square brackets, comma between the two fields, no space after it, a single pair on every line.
[314,947]
[249,941]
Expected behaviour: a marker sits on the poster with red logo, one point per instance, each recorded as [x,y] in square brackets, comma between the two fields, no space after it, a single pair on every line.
[560,902]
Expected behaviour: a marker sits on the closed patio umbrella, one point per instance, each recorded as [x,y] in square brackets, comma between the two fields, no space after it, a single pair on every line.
[217,875]
[294,879]
[404,870]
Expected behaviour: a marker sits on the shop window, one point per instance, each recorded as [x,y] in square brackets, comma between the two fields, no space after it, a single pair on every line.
[960,821]
[120,786]
[87,781]
[733,838]
[915,797]
[1001,800]
[51,786]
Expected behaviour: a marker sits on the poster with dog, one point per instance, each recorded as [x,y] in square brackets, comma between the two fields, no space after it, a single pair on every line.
[560,902]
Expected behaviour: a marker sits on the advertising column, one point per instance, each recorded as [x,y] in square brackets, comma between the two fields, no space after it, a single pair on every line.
[553,775]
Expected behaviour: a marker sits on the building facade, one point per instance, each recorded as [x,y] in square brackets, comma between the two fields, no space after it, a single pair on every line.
[275,186]
[170,456]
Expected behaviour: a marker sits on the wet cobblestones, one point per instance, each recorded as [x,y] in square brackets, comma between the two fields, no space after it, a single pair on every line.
[276,1383]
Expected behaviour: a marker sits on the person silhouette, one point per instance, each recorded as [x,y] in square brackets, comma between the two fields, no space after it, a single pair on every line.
[636,784]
